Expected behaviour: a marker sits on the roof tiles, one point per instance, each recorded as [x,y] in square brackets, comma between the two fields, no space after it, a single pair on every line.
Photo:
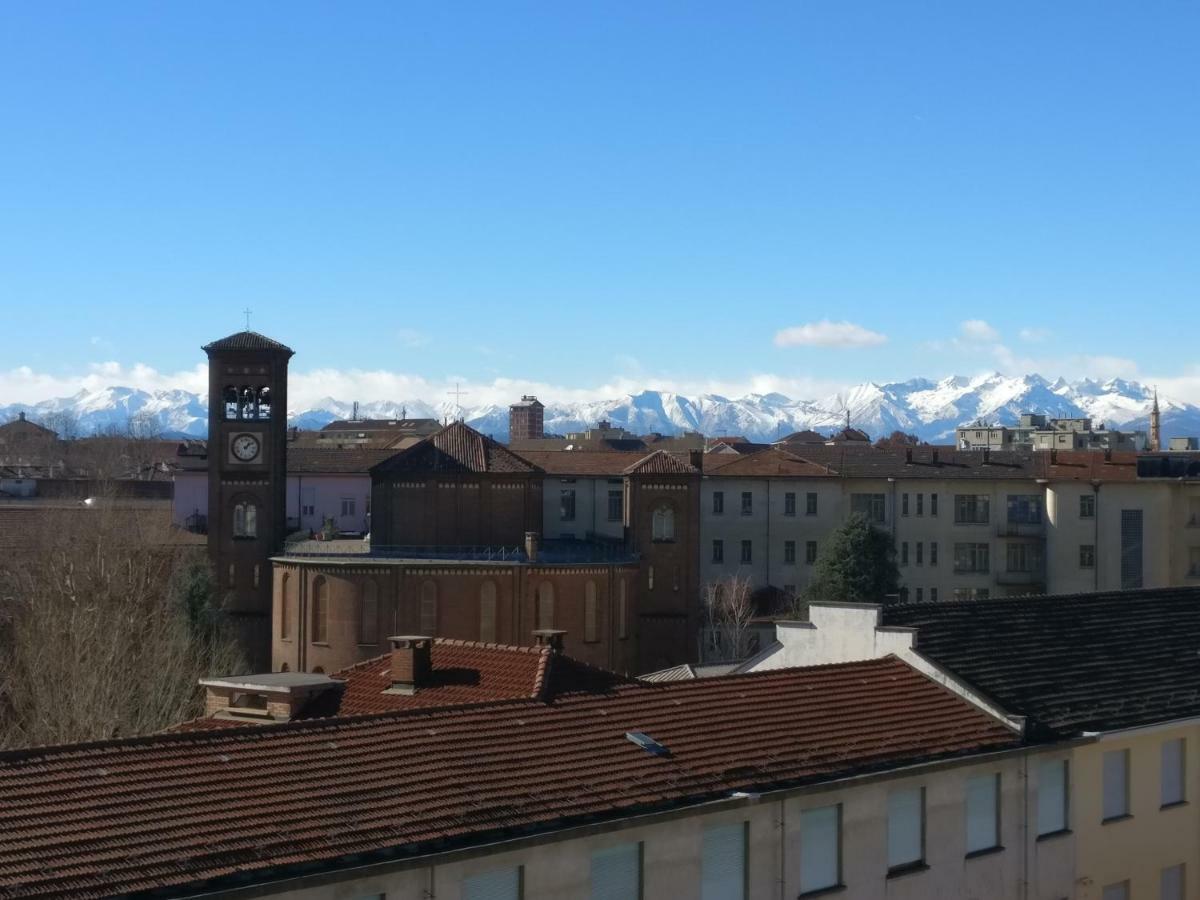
[456,448]
[247,340]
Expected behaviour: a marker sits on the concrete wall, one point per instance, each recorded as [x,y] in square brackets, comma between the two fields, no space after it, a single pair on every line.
[327,493]
[560,869]
[591,508]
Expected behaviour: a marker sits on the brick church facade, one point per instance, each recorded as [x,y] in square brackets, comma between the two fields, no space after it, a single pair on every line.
[459,544]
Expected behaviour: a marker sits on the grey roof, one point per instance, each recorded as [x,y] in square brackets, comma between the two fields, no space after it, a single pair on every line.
[281,682]
[247,340]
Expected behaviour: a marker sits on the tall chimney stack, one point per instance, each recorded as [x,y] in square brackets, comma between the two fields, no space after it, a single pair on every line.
[531,545]
[412,662]
[549,637]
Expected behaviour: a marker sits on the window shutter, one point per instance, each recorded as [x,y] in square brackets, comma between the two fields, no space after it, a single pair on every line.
[723,862]
[982,806]
[904,827]
[1116,783]
[1172,772]
[502,884]
[1171,883]
[819,848]
[1052,796]
[1116,891]
[617,873]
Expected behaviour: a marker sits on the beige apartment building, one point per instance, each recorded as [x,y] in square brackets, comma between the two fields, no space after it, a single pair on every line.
[966,525]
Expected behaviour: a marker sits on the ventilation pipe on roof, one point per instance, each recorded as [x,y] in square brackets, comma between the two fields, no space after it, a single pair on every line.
[549,637]
[531,545]
[412,662]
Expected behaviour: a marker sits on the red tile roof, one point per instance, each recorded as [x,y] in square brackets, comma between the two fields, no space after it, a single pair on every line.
[205,810]
[456,448]
[612,463]
[764,463]
[247,340]
[333,461]
[1088,465]
[660,462]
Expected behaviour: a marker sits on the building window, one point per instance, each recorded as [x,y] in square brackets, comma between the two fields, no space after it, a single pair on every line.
[920,594]
[308,501]
[650,577]
[747,551]
[933,553]
[349,507]
[933,504]
[285,602]
[904,504]
[1087,506]
[499,884]
[1021,557]
[970,558]
[983,813]
[723,862]
[617,872]
[920,553]
[615,506]
[820,848]
[933,595]
[545,605]
[903,595]
[257,568]
[810,503]
[1193,562]
[789,504]
[1024,509]
[664,524]
[1052,799]
[904,553]
[789,552]
[810,552]
[232,575]
[245,519]
[869,505]
[368,613]
[970,594]
[718,550]
[1087,556]
[1172,788]
[747,503]
[718,503]
[320,610]
[920,504]
[906,828]
[429,608]
[971,509]
[229,398]
[487,612]
[566,504]
[1170,883]
[1131,549]
[622,613]
[1118,891]
[591,614]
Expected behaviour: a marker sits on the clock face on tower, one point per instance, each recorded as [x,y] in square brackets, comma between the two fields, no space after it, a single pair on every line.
[245,447]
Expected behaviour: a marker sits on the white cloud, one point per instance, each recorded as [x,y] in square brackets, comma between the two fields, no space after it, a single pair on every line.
[828,334]
[979,330]
[1034,335]
[411,338]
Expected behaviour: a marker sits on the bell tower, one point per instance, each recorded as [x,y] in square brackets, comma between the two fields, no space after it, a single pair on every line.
[247,479]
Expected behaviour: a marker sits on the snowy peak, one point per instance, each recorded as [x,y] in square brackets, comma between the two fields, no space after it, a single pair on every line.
[929,409]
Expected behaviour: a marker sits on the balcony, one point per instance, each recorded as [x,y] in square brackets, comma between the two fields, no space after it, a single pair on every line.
[1026,530]
[1022,579]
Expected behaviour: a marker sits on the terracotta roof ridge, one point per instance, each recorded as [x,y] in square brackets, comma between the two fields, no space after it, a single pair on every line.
[485,645]
[1124,594]
[541,683]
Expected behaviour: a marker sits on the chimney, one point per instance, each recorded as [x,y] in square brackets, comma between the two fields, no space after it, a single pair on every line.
[549,637]
[908,456]
[935,456]
[412,662]
[22,416]
[1053,457]
[696,458]
[531,545]
[987,456]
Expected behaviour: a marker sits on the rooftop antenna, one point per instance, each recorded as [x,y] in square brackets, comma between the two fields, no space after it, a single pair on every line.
[403,412]
[354,412]
[246,312]
[458,393]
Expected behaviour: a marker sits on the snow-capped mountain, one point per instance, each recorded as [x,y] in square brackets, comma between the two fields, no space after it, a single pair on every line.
[926,408]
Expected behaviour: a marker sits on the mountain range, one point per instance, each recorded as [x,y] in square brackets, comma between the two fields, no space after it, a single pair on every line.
[928,409]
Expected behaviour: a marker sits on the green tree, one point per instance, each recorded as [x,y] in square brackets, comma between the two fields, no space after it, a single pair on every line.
[857,564]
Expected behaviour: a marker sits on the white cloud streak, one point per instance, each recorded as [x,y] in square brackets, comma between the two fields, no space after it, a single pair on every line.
[979,330]
[828,334]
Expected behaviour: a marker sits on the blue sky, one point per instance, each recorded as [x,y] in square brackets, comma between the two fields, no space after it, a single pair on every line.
[584,197]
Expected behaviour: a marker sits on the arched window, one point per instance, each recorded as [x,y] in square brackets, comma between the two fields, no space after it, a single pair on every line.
[229,398]
[246,402]
[264,403]
[285,603]
[368,613]
[664,524]
[245,519]
[320,610]
[591,614]
[429,608]
[545,605]
[487,612]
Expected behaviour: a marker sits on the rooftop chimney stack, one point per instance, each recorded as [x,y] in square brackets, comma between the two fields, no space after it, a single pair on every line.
[549,637]
[908,456]
[935,456]
[412,662]
[696,458]
[531,545]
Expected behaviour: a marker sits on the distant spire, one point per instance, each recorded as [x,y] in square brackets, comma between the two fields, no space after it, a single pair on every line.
[1155,424]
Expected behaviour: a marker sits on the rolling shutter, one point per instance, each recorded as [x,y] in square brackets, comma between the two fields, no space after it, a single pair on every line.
[723,862]
[501,884]
[617,873]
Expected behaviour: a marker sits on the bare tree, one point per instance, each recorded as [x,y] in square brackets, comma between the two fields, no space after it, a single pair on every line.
[727,613]
[106,624]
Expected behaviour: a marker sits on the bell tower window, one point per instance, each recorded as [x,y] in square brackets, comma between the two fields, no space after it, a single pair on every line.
[229,399]
[245,519]
[263,405]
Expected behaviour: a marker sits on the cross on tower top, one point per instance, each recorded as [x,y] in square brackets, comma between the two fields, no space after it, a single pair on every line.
[247,312]
[458,393]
